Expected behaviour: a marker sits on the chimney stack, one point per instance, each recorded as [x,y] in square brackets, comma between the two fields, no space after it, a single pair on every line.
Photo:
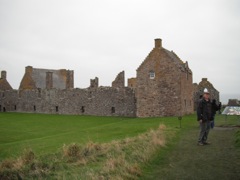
[29,69]
[4,74]
[158,43]
[49,80]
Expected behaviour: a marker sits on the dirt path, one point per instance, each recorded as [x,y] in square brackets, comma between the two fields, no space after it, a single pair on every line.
[186,160]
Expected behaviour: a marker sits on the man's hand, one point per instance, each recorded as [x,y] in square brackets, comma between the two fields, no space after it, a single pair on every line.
[200,121]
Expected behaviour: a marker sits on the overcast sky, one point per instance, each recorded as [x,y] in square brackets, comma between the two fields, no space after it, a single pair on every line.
[100,38]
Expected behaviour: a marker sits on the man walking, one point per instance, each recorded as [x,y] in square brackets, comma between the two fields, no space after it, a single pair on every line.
[204,116]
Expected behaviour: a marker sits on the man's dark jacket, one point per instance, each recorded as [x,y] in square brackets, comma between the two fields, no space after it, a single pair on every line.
[204,110]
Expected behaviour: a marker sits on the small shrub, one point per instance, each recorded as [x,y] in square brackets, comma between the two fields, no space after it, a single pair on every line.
[72,150]
[7,164]
[28,156]
[91,149]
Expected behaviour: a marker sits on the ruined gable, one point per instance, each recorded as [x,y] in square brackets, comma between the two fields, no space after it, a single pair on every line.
[119,80]
[47,78]
[4,85]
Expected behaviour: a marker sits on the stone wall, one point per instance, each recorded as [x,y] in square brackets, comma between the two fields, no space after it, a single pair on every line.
[103,101]
[199,88]
[132,83]
[119,80]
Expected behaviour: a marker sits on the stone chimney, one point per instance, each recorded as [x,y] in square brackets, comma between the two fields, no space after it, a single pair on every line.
[94,83]
[49,80]
[158,43]
[204,79]
[4,74]
[69,80]
[28,69]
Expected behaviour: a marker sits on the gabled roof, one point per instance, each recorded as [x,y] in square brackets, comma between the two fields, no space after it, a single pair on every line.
[4,85]
[36,78]
[175,59]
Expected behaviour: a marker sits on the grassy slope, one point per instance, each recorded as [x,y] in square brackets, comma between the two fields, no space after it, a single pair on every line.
[47,133]
[183,159]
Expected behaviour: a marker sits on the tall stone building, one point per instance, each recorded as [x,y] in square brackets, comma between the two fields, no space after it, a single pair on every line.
[163,84]
[198,90]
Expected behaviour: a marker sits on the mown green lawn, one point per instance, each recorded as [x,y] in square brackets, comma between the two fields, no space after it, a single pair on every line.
[47,133]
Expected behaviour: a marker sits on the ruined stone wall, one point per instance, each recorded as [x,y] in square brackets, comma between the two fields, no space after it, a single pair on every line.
[119,80]
[4,85]
[132,83]
[47,78]
[199,89]
[104,101]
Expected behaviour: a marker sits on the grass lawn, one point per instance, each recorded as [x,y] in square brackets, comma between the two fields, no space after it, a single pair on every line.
[180,158]
[47,133]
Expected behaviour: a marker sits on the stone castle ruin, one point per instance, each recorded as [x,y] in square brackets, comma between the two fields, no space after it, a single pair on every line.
[163,87]
[199,88]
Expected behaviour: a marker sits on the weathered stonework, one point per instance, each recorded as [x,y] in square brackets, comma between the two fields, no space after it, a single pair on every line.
[199,89]
[47,78]
[162,87]
[4,85]
[132,83]
[94,83]
[119,81]
[100,101]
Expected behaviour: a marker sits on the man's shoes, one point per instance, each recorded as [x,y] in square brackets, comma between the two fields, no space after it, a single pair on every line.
[200,144]
[206,143]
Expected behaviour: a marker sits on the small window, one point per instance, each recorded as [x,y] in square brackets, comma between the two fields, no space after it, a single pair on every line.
[4,109]
[3,95]
[185,102]
[151,74]
[0,108]
[82,109]
[113,110]
[56,108]
[34,108]
[15,107]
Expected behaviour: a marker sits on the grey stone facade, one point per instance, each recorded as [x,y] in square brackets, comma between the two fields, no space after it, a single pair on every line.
[103,101]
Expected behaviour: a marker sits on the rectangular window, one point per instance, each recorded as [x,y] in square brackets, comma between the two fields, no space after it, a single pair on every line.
[185,102]
[34,108]
[113,110]
[82,109]
[0,108]
[56,108]
[151,74]
[15,107]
